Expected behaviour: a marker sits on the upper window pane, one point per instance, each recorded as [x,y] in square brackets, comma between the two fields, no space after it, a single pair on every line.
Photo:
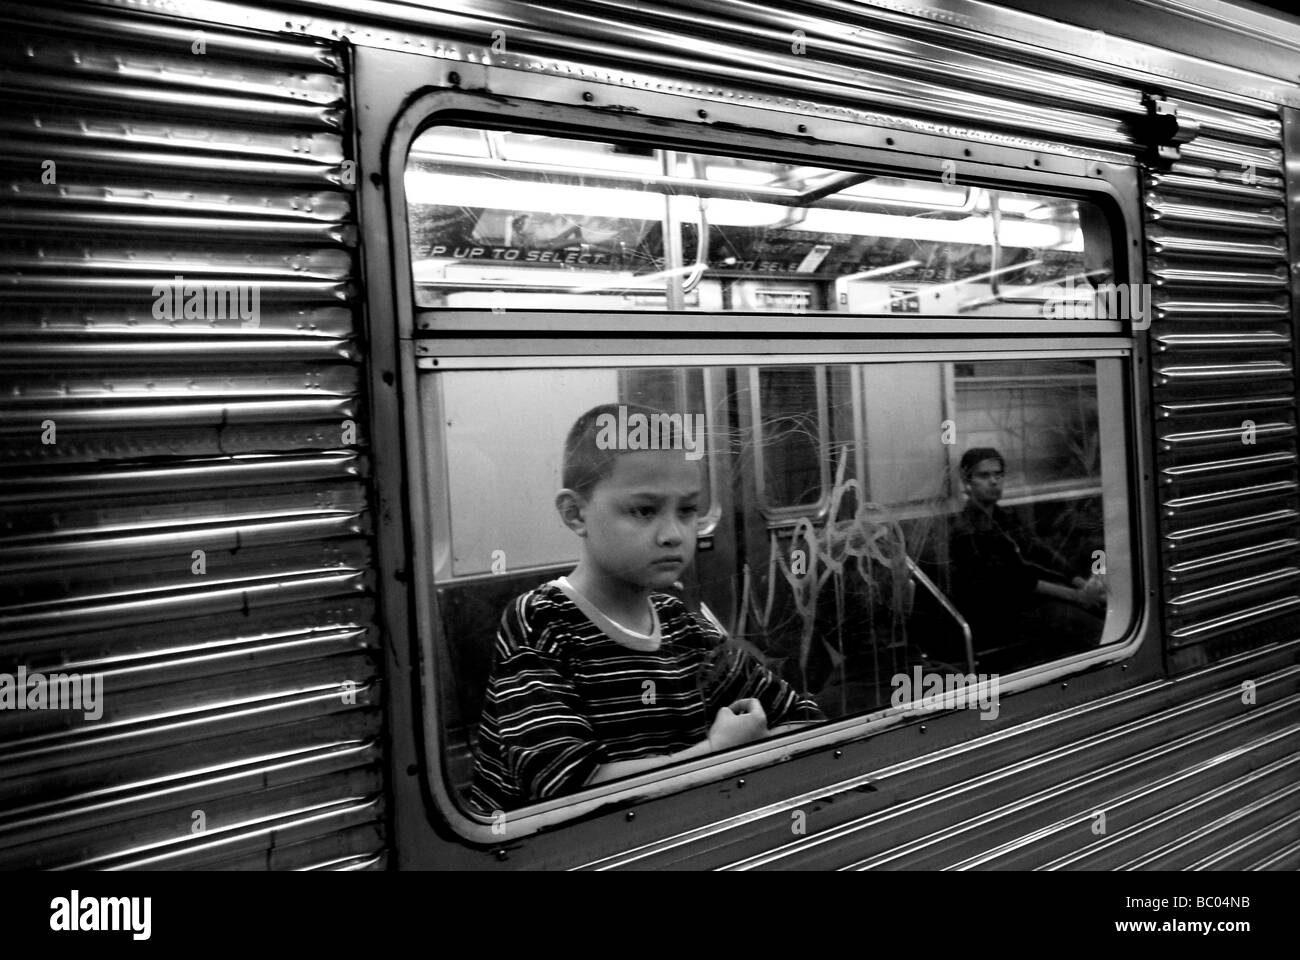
[510,220]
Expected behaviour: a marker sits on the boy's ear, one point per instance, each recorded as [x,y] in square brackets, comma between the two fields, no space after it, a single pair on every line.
[572,507]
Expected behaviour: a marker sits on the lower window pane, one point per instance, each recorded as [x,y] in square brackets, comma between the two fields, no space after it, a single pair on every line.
[851,523]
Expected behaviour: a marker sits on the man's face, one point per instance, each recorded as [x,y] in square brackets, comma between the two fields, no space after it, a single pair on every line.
[985,484]
[640,520]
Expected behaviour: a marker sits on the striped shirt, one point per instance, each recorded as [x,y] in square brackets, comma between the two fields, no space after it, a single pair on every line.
[565,697]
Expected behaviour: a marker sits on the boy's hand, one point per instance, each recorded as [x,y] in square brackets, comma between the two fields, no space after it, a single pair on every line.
[1091,594]
[742,722]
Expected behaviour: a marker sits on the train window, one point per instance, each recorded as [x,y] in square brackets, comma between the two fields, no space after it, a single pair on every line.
[952,500]
[514,220]
[919,496]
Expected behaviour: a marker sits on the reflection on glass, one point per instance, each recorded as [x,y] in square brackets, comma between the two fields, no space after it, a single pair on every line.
[858,545]
[524,221]
[790,424]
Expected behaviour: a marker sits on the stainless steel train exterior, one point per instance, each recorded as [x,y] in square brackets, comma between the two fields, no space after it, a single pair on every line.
[227,521]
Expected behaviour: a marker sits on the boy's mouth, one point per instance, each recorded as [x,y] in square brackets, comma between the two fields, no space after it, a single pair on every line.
[667,560]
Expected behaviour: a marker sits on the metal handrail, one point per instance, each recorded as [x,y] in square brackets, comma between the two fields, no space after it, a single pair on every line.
[947,606]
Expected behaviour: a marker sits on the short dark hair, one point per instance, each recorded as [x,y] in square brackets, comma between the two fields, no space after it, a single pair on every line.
[585,462]
[972,458]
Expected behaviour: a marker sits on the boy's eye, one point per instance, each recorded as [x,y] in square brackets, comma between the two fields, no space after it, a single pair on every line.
[643,512]
[690,510]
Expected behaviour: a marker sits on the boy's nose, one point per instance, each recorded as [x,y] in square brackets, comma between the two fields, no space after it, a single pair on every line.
[671,532]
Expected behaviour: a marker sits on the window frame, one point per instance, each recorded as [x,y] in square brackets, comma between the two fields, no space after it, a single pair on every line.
[433,339]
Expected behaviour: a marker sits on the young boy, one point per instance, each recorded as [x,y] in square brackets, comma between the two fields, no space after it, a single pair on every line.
[599,675]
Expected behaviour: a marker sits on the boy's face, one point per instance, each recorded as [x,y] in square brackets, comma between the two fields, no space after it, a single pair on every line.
[639,522]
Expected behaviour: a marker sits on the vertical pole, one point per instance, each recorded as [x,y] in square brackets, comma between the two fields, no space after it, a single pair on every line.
[672,239]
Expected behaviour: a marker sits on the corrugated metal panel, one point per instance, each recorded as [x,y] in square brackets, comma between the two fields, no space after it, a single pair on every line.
[1169,774]
[242,694]
[706,43]
[906,70]
[1224,386]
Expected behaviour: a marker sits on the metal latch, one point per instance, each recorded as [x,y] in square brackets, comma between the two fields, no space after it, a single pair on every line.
[1164,130]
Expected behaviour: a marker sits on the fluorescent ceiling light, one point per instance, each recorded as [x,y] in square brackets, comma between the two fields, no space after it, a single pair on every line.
[744,175]
[559,199]
[910,191]
[1017,205]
